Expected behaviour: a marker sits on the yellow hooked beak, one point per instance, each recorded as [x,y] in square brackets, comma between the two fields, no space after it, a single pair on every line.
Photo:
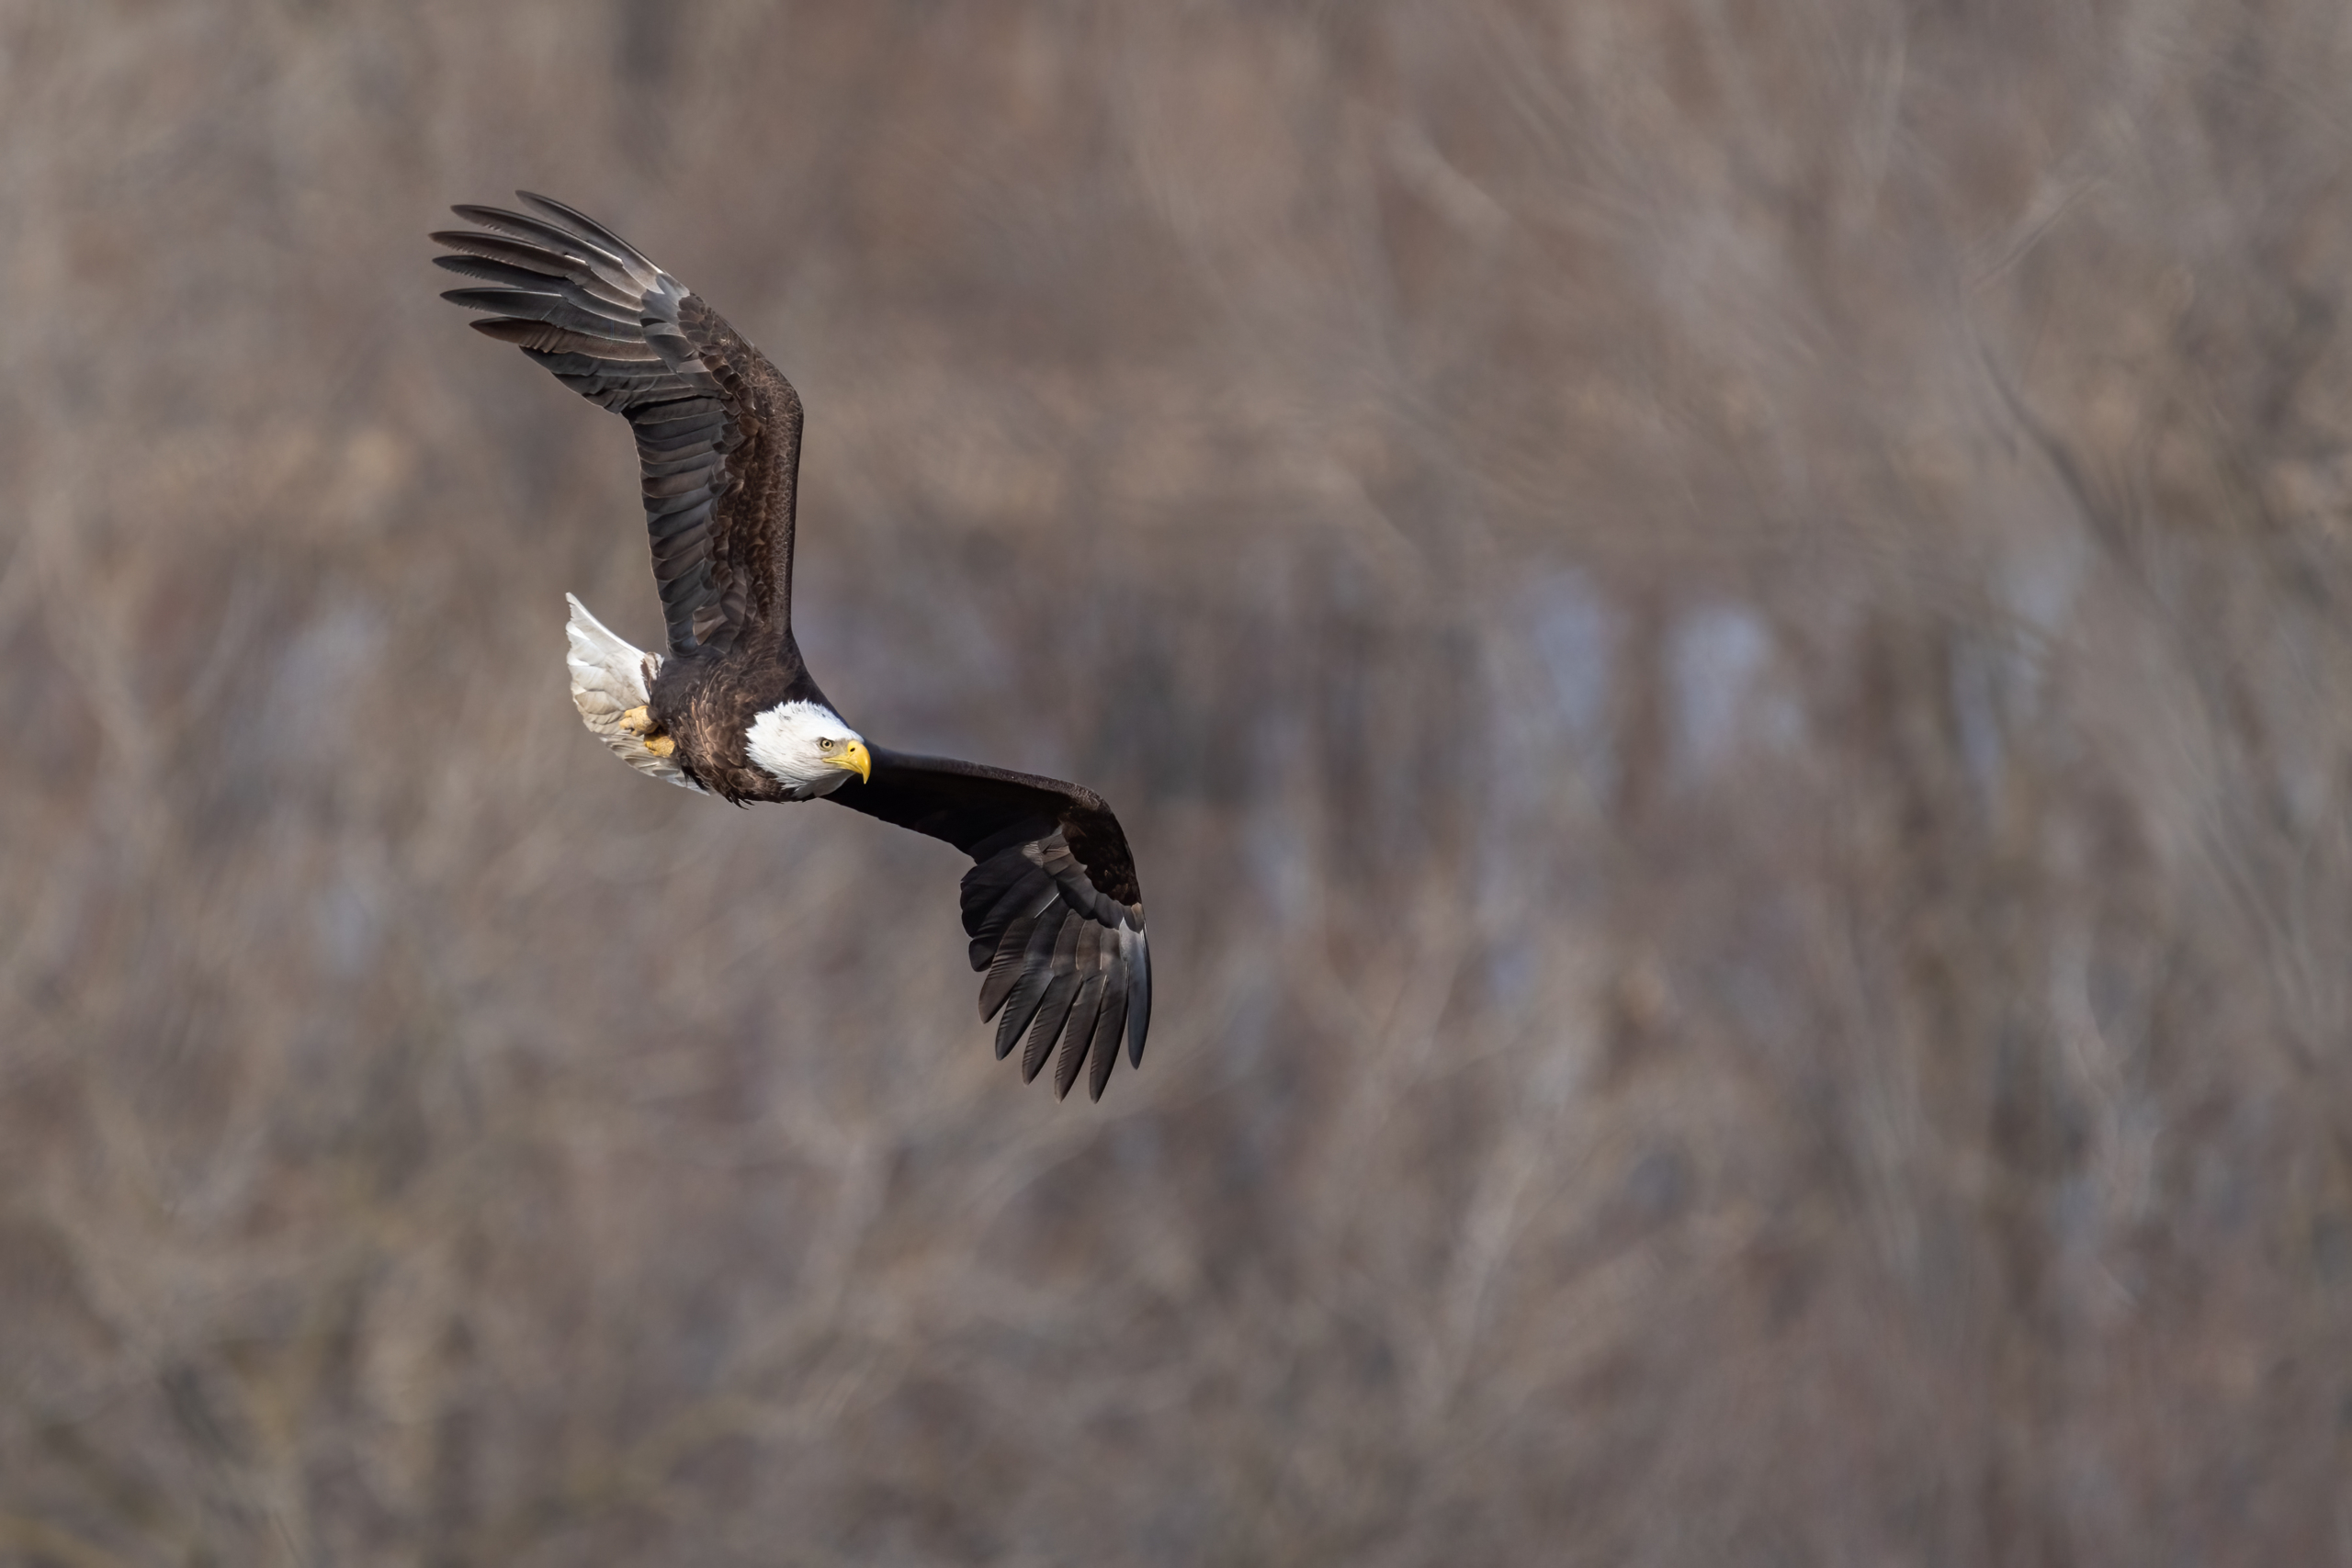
[854,758]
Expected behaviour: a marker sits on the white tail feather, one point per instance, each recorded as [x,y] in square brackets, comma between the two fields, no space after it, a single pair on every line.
[608,678]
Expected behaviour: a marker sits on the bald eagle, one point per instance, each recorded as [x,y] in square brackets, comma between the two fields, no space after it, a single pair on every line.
[1051,903]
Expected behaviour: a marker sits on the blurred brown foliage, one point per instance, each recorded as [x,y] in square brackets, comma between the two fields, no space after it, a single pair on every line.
[1722,628]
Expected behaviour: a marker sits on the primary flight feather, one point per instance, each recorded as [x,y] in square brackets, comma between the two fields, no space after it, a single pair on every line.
[1051,902]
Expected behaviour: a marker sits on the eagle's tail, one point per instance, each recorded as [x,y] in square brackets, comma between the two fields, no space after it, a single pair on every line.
[608,679]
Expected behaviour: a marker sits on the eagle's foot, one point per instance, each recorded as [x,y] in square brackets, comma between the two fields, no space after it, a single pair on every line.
[638,721]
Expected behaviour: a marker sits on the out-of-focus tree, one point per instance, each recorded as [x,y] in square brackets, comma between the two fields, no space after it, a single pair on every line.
[1721,629]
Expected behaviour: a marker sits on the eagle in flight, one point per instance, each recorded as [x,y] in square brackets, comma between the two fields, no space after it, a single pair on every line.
[1051,902]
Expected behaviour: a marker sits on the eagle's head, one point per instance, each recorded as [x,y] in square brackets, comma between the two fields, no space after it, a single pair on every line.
[807,748]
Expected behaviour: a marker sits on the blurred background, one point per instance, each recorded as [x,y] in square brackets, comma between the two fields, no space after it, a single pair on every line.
[1721,629]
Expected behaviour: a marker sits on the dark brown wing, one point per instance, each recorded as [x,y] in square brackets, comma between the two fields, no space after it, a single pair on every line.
[1051,905]
[717,427]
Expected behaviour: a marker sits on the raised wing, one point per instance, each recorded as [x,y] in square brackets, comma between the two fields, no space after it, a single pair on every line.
[717,427]
[1051,905]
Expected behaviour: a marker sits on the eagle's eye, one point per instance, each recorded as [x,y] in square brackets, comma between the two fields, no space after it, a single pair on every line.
[827,745]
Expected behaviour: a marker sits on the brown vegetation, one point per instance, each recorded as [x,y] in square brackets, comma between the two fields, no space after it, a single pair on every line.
[1722,628]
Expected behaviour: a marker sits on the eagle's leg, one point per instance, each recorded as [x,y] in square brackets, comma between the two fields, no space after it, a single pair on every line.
[638,721]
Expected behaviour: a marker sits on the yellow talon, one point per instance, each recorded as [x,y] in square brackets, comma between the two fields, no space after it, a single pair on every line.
[638,721]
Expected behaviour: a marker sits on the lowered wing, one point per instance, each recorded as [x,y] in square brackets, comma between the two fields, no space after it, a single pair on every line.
[1051,905]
